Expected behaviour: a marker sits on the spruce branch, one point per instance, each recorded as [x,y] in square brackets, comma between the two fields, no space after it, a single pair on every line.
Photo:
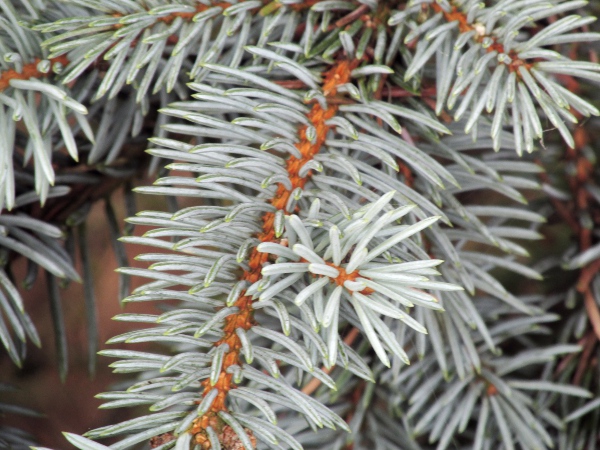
[492,67]
[327,200]
[307,147]
[576,204]
[375,128]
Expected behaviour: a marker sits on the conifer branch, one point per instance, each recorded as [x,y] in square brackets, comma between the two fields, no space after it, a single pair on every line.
[338,75]
[524,75]
[326,200]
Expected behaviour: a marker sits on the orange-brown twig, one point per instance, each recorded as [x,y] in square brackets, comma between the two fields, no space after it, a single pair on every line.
[29,71]
[465,27]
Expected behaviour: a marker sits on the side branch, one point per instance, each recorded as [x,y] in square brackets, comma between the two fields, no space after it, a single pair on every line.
[338,75]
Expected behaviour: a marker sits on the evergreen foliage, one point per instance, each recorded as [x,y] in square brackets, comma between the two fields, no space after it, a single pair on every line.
[368,180]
